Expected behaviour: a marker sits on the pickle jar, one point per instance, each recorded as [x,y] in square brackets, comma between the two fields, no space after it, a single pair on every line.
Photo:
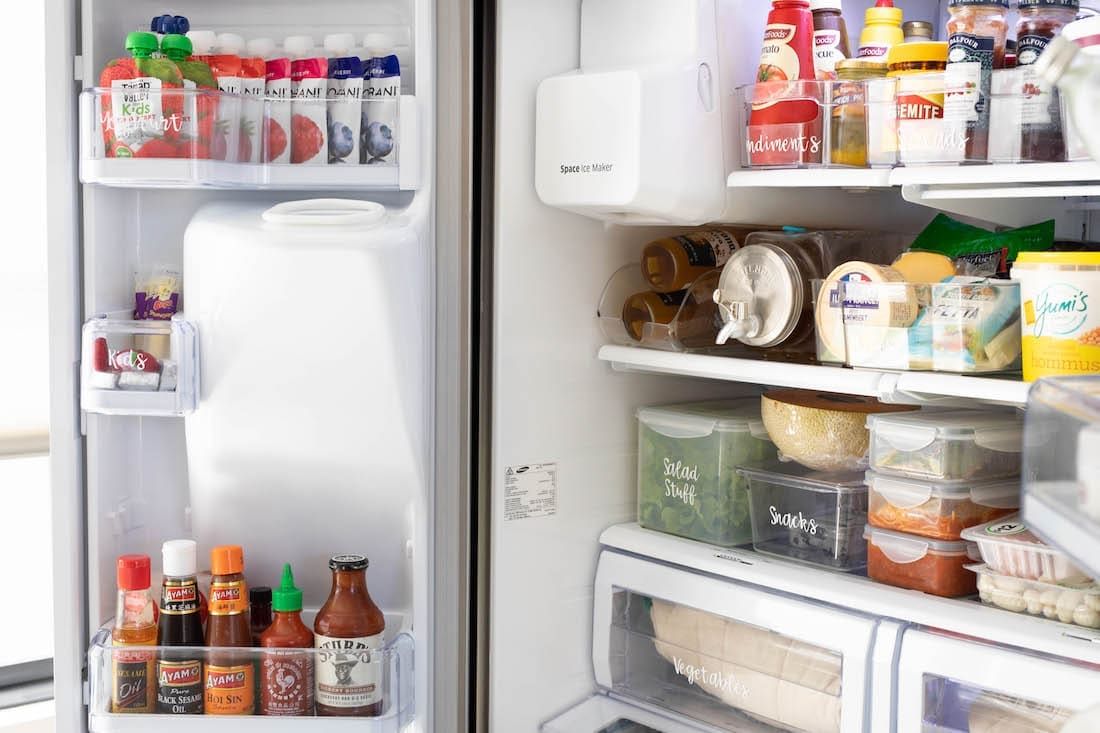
[848,119]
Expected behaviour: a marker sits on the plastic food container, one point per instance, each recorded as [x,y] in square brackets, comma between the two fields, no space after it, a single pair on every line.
[687,454]
[920,563]
[940,510]
[811,516]
[1008,547]
[1070,603]
[948,445]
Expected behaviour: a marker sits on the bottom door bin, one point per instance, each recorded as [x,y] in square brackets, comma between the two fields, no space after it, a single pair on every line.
[603,713]
[725,655]
[951,685]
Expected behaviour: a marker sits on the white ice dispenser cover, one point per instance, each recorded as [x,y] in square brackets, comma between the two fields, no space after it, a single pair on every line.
[312,321]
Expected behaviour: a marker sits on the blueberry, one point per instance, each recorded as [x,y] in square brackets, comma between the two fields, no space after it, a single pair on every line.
[341,142]
[379,140]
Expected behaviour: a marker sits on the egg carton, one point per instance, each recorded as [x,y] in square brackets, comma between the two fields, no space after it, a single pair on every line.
[1070,603]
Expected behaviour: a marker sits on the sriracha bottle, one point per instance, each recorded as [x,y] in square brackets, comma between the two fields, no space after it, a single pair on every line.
[286,686]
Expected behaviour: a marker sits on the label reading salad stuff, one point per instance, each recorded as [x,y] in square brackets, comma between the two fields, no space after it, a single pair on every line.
[135,116]
[827,53]
[711,249]
[349,671]
[681,480]
[968,79]
[778,61]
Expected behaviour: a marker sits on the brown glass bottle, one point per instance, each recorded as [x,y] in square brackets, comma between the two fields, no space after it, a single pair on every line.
[673,263]
[349,634]
[179,675]
[229,676]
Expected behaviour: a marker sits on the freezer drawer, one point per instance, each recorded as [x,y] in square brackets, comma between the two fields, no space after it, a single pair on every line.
[726,654]
[952,685]
[602,713]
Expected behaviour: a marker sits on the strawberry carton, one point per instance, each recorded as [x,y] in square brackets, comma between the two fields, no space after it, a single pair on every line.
[142,116]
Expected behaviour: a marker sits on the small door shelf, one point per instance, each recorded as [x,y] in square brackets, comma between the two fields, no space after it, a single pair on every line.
[394,670]
[139,367]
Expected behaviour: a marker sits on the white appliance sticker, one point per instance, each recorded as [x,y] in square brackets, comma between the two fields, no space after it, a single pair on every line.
[530,491]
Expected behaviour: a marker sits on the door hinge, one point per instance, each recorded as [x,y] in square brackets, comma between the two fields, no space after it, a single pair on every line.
[78,68]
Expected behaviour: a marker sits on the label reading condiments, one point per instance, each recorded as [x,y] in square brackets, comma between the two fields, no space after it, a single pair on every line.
[711,249]
[968,79]
[778,60]
[349,671]
[228,599]
[131,673]
[286,683]
[179,686]
[826,53]
[229,690]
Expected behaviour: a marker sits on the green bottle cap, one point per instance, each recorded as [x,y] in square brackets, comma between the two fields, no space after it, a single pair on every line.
[286,597]
[140,44]
[175,46]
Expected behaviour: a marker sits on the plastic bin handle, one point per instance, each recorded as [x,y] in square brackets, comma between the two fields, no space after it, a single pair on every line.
[326,212]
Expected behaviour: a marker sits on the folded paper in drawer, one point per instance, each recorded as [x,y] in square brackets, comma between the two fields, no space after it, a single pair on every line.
[757,671]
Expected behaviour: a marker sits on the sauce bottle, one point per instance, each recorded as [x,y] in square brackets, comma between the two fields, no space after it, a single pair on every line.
[286,687]
[672,263]
[259,611]
[179,675]
[133,673]
[229,675]
[1040,21]
[976,36]
[787,52]
[348,632]
[881,30]
[830,37]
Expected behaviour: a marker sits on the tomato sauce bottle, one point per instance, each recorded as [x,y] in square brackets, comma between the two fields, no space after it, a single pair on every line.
[349,636]
[229,675]
[132,672]
[286,685]
[179,675]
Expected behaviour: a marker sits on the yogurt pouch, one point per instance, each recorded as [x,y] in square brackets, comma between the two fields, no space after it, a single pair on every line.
[275,126]
[381,96]
[345,95]
[309,113]
[141,117]
[253,83]
[227,71]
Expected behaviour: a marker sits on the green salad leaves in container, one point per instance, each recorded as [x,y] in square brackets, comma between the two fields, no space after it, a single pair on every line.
[687,460]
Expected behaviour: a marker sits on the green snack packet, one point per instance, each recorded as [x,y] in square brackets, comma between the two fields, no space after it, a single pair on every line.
[981,253]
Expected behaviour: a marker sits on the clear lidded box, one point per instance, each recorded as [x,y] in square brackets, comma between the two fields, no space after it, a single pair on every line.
[687,455]
[937,509]
[1010,548]
[920,563]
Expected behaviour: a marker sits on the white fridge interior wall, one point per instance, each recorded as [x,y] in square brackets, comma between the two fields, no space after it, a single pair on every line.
[553,402]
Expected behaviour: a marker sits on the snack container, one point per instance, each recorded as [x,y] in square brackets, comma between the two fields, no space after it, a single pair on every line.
[1009,547]
[811,516]
[947,445]
[1070,602]
[687,454]
[920,563]
[937,509]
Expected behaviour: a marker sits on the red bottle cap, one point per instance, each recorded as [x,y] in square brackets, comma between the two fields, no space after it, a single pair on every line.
[884,4]
[227,560]
[133,572]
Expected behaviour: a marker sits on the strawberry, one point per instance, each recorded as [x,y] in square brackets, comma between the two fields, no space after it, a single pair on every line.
[101,362]
[274,140]
[158,147]
[307,139]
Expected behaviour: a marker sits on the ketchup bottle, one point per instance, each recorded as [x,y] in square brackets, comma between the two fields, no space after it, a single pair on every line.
[788,50]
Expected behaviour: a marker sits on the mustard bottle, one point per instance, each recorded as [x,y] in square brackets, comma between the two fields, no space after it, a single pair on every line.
[882,30]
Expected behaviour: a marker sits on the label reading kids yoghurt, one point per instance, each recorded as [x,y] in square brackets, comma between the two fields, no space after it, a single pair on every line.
[349,671]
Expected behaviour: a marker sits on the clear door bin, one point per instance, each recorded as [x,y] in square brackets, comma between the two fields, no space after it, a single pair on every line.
[393,670]
[1071,603]
[947,446]
[920,563]
[139,367]
[192,138]
[687,455]
[815,517]
[1009,547]
[938,509]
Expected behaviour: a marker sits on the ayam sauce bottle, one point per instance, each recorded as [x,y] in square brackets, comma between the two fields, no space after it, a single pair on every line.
[179,675]
[228,680]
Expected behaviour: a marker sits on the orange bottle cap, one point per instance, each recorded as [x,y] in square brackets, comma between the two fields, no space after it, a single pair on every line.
[227,560]
[133,572]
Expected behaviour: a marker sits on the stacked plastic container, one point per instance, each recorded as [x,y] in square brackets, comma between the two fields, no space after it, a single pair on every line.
[934,475]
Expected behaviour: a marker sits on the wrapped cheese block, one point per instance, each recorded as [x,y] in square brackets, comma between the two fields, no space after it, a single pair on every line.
[762,673]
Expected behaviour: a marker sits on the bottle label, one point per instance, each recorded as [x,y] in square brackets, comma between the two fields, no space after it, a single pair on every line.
[178,597]
[874,50]
[179,686]
[227,599]
[710,249]
[826,53]
[229,690]
[673,300]
[968,79]
[349,671]
[778,59]
[286,683]
[132,673]
[1040,105]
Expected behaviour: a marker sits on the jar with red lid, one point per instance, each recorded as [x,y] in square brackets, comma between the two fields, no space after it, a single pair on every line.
[976,36]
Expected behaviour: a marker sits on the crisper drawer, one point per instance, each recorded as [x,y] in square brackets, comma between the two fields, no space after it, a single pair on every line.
[603,713]
[728,655]
[952,685]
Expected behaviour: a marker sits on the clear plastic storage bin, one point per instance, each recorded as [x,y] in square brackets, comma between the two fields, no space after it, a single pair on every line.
[937,509]
[687,454]
[948,445]
[1010,548]
[1071,603]
[787,123]
[920,563]
[951,706]
[811,516]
